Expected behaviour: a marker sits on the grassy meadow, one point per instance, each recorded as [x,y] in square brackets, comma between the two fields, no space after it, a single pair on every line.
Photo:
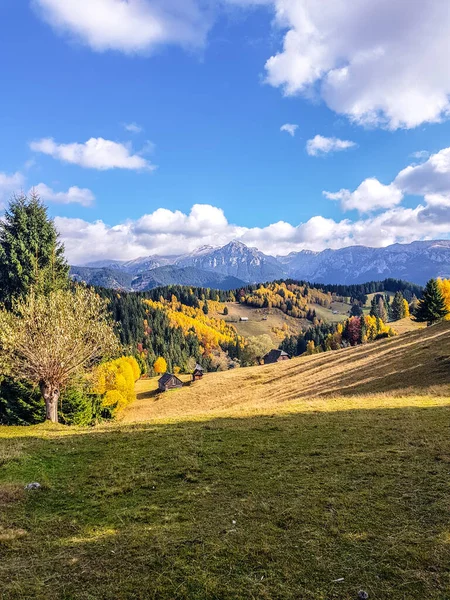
[261,321]
[311,479]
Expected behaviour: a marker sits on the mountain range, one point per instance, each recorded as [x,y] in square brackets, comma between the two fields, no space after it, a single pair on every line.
[235,264]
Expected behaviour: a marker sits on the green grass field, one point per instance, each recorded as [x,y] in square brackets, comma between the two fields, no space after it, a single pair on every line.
[284,482]
[267,507]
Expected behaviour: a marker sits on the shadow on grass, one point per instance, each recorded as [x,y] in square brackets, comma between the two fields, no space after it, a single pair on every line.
[263,507]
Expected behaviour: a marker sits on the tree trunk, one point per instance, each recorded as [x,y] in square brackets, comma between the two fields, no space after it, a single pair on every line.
[50,393]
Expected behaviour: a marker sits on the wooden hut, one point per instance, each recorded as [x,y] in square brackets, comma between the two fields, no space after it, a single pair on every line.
[169,382]
[275,356]
[198,373]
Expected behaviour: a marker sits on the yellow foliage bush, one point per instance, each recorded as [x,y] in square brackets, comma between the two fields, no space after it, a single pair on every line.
[160,365]
[114,380]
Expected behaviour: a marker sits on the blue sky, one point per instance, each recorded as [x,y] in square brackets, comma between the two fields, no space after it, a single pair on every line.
[208,102]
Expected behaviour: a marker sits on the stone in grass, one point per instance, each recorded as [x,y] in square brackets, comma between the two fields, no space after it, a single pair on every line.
[362,595]
[33,486]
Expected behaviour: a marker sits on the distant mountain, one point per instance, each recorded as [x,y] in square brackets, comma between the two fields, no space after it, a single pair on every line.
[185,276]
[231,265]
[160,276]
[416,262]
[237,260]
[111,277]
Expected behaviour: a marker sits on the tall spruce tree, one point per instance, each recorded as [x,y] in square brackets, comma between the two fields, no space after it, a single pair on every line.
[432,305]
[31,254]
[397,309]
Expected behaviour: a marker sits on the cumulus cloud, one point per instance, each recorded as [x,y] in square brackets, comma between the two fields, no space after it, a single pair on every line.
[132,26]
[369,196]
[96,153]
[132,127]
[10,185]
[431,179]
[319,145]
[380,63]
[74,195]
[166,232]
[290,128]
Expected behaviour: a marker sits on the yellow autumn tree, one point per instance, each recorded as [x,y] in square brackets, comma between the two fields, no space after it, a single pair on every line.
[406,308]
[444,286]
[310,347]
[114,381]
[134,366]
[160,365]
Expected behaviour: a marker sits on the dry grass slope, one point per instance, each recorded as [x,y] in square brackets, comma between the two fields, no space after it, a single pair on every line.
[414,364]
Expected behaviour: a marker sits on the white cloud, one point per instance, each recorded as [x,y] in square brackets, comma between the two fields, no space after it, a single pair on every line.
[430,177]
[166,232]
[10,185]
[74,195]
[290,128]
[369,196]
[132,26]
[320,145]
[380,63]
[133,127]
[421,154]
[96,153]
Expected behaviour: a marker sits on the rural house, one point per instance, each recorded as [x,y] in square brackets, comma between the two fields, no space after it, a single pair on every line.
[275,356]
[169,382]
[198,373]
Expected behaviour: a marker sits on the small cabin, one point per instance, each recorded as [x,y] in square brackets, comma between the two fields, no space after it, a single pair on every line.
[198,373]
[275,356]
[169,382]
[243,319]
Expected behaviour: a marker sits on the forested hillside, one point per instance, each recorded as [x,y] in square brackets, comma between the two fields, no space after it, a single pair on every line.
[185,324]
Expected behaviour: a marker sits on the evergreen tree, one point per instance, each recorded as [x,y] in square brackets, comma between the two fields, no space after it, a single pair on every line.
[397,307]
[432,306]
[31,255]
[356,310]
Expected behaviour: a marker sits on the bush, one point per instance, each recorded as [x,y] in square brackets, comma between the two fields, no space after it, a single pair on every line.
[114,382]
[78,407]
[20,403]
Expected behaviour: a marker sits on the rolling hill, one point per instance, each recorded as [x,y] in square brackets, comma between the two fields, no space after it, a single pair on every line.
[415,363]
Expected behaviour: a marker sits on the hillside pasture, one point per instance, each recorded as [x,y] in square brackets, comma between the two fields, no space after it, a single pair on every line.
[261,321]
[414,364]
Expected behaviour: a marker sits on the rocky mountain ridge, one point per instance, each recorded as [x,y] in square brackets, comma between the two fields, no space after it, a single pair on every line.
[416,262]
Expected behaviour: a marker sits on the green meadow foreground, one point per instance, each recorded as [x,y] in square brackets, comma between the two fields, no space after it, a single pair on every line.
[291,481]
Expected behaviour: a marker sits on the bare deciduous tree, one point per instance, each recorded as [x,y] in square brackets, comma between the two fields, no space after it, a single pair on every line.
[49,339]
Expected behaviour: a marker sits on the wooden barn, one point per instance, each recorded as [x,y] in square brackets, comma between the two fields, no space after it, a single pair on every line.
[169,382]
[275,356]
[198,373]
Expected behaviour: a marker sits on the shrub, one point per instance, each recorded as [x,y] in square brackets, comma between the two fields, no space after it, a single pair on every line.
[79,407]
[114,382]
[20,403]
